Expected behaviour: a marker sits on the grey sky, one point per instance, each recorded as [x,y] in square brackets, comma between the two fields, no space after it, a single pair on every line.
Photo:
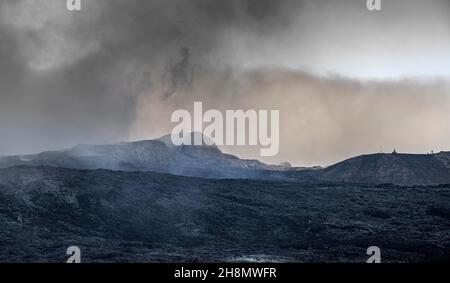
[116,70]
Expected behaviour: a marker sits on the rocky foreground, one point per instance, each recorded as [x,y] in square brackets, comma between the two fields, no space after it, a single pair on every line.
[210,162]
[116,216]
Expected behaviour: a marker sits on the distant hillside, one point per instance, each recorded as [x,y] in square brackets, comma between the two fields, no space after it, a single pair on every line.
[150,155]
[399,169]
[204,161]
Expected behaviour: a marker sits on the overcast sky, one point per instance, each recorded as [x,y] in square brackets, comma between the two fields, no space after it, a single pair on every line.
[346,80]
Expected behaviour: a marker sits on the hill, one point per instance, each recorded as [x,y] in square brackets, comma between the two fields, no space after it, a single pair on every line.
[209,162]
[399,169]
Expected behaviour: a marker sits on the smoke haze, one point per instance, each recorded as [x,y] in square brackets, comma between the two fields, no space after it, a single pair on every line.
[346,81]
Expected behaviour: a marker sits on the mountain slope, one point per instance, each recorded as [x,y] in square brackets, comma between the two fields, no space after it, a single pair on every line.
[209,162]
[399,169]
[151,155]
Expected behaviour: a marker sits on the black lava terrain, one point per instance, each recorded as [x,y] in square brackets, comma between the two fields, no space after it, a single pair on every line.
[116,216]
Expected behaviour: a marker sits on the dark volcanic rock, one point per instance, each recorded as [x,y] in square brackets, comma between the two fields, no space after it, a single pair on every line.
[152,217]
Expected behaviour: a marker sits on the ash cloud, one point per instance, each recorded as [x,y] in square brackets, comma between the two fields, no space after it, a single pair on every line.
[117,69]
[322,120]
[69,78]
